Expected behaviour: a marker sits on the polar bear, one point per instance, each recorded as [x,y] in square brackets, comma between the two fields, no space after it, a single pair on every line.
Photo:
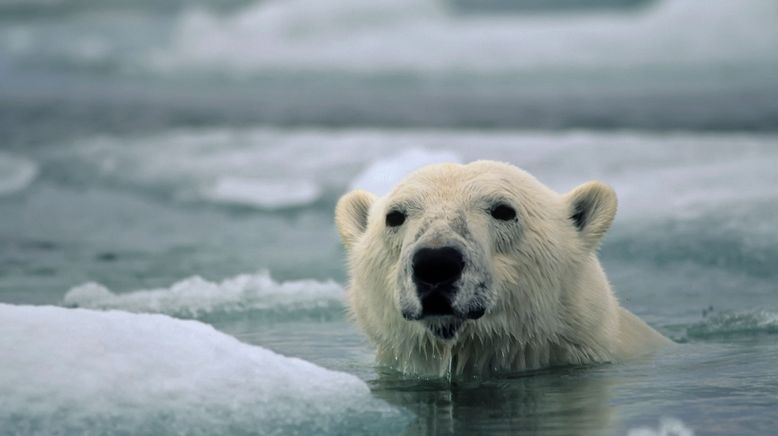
[480,268]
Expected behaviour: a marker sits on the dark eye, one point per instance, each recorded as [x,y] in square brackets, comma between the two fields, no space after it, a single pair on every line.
[395,218]
[503,212]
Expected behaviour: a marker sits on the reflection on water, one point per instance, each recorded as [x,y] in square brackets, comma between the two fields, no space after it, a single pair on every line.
[550,402]
[697,382]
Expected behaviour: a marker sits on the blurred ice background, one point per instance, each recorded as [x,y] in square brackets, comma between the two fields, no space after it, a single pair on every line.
[183,157]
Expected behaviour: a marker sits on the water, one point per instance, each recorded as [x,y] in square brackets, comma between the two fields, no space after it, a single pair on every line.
[184,159]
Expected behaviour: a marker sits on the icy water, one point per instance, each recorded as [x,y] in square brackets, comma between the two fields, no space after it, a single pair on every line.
[168,173]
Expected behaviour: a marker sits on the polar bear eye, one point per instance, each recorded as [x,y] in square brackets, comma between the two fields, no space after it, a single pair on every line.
[503,212]
[395,218]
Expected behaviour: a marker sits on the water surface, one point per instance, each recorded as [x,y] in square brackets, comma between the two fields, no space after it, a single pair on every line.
[184,158]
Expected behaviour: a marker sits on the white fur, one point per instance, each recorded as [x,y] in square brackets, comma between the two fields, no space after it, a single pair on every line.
[547,300]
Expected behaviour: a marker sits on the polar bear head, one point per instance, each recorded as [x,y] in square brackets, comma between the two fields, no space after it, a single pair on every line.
[466,252]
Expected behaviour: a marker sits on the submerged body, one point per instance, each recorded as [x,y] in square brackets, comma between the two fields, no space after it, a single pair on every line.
[480,268]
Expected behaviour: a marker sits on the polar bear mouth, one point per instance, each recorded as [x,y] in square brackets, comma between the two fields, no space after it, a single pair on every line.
[444,327]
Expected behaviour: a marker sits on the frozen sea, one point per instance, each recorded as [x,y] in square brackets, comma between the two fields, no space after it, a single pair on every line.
[168,173]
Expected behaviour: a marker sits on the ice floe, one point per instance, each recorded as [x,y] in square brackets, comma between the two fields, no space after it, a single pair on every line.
[196,297]
[78,371]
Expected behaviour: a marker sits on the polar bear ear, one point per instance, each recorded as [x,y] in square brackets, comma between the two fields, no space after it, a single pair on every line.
[591,208]
[351,215]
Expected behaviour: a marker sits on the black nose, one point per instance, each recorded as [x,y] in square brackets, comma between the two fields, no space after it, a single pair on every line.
[434,271]
[436,267]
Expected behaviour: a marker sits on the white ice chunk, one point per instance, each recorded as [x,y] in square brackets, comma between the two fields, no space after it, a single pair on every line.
[16,173]
[77,371]
[194,297]
[667,427]
[380,176]
[266,194]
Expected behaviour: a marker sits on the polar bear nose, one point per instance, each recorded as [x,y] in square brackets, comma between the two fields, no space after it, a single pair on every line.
[434,271]
[437,266]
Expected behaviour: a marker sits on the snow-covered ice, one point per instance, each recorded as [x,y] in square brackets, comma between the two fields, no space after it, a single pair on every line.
[77,371]
[195,297]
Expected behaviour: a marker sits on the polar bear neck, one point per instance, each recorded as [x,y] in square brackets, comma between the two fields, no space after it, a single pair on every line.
[473,357]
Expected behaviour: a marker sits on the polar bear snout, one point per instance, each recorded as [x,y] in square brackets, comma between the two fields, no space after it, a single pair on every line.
[437,267]
[435,273]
